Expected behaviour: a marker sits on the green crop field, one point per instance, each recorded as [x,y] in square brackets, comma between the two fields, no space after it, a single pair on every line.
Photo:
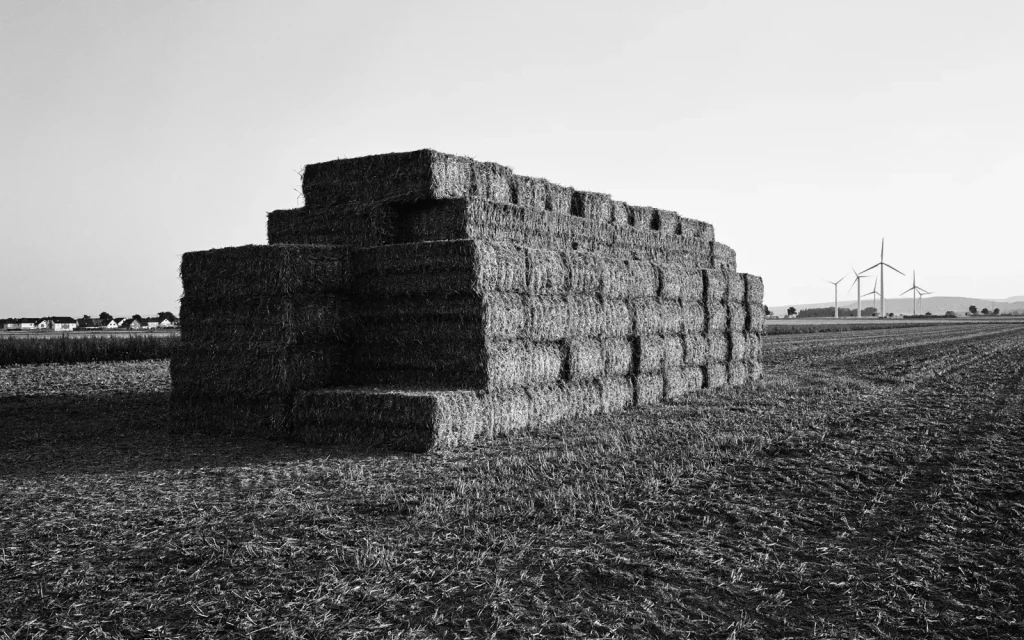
[870,487]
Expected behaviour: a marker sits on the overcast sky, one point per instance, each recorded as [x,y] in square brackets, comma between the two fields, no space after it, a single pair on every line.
[131,132]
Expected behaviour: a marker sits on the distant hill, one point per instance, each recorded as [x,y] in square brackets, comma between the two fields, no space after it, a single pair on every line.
[937,305]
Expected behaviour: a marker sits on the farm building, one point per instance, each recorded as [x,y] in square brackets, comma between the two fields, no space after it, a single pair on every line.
[422,300]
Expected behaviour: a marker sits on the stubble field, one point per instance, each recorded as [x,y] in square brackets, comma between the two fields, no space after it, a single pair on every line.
[872,486]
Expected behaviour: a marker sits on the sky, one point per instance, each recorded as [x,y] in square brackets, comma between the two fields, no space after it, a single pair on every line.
[805,131]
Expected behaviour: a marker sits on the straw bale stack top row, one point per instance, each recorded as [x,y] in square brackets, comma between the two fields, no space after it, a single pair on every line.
[401,180]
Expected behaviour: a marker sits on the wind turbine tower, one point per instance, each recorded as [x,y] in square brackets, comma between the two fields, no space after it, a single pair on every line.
[858,278]
[917,292]
[874,292]
[882,266]
[836,286]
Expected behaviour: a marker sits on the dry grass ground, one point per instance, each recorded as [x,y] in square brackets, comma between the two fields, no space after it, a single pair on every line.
[871,487]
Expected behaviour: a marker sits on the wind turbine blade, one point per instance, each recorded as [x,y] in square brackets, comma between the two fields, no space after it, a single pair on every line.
[893,268]
[910,289]
[871,267]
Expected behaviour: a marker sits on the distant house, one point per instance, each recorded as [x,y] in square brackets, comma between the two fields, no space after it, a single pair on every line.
[63,323]
[9,324]
[26,324]
[131,324]
[151,323]
[85,322]
[118,323]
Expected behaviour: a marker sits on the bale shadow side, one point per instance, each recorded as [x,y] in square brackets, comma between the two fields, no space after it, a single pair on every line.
[127,432]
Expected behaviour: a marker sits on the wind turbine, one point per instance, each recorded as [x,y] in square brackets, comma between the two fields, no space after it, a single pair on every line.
[882,264]
[859,278]
[836,285]
[917,292]
[874,292]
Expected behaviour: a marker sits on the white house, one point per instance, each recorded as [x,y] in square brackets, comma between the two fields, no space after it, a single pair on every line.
[26,324]
[63,323]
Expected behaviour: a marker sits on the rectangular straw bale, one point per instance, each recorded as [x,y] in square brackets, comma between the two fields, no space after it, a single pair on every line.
[530,193]
[755,289]
[585,359]
[404,177]
[715,286]
[505,316]
[616,393]
[619,213]
[675,351]
[584,272]
[680,382]
[643,277]
[443,268]
[754,347]
[617,354]
[505,412]
[359,226]
[755,317]
[649,354]
[737,345]
[716,375]
[723,257]
[285,320]
[219,275]
[718,347]
[695,348]
[558,199]
[649,388]
[616,318]
[548,404]
[417,421]
[547,272]
[696,230]
[691,286]
[718,316]
[646,316]
[641,218]
[549,318]
[585,316]
[694,320]
[737,373]
[594,206]
[496,366]
[442,351]
[583,398]
[252,370]
[463,218]
[671,317]
[517,364]
[737,312]
[615,284]
[397,311]
[666,222]
[736,287]
[671,279]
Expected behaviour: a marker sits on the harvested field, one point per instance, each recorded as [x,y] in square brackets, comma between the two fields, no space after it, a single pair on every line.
[869,487]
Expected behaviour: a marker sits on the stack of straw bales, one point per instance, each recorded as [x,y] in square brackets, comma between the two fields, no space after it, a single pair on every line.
[422,300]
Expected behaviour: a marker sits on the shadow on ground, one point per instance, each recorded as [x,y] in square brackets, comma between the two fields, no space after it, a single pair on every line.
[125,432]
